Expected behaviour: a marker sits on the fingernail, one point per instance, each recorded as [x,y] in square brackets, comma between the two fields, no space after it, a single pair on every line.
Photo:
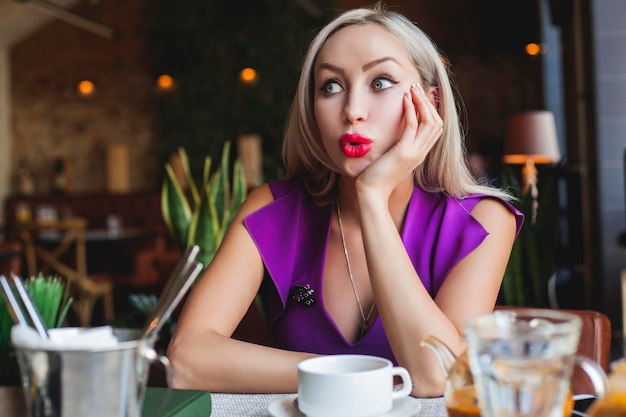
[418,88]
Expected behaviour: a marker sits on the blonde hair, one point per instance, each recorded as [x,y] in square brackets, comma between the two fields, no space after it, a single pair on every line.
[445,168]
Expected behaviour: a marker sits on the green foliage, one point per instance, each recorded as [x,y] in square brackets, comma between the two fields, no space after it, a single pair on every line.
[204,45]
[50,294]
[202,216]
[534,256]
[145,304]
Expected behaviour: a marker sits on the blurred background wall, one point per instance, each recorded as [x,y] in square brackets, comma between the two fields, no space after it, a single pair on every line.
[47,125]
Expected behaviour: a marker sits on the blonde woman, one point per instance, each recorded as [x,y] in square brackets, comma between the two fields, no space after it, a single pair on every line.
[378,236]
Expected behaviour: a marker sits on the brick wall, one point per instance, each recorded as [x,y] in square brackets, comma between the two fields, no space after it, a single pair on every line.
[50,120]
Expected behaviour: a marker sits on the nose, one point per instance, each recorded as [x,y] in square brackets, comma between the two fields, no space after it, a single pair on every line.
[355,107]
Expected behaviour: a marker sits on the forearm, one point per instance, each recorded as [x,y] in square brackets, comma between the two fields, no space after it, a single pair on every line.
[216,363]
[408,312]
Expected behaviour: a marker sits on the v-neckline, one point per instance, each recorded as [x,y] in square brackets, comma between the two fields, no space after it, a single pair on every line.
[332,208]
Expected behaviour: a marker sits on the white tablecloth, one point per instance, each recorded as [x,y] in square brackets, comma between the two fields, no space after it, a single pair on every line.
[256,405]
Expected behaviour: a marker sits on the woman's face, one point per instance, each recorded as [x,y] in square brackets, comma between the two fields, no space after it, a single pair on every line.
[360,75]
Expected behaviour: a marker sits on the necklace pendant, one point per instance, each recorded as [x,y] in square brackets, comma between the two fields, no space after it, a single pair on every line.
[364,326]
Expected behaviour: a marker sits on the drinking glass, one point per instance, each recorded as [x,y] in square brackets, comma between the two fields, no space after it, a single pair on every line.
[522,361]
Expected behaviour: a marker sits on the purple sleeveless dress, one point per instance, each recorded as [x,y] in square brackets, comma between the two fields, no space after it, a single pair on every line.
[292,232]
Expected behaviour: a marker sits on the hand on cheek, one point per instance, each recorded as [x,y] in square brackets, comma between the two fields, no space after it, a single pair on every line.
[423,125]
[411,115]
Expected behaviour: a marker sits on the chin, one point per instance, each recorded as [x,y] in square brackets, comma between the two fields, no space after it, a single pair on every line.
[353,169]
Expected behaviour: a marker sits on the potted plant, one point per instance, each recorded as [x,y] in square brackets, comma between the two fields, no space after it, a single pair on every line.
[194,215]
[50,294]
[533,260]
[202,214]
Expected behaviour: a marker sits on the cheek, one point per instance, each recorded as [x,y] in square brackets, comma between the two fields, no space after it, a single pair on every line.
[321,112]
[323,116]
[318,112]
[392,112]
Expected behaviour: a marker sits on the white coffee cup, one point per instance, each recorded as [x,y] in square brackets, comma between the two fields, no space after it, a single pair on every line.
[349,386]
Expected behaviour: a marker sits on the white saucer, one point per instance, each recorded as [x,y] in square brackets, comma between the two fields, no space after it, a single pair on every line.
[402,407]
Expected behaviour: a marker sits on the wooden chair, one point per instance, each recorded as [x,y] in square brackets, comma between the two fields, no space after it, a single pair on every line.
[11,257]
[595,343]
[154,265]
[59,246]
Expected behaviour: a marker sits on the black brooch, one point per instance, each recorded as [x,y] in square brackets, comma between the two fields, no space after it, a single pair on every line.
[303,294]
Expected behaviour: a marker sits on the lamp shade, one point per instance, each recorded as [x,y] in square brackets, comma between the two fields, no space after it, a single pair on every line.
[532,135]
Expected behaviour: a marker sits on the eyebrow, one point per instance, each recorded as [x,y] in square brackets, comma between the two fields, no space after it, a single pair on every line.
[365,67]
[379,61]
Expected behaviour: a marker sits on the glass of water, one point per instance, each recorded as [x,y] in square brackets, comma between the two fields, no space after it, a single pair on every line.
[522,361]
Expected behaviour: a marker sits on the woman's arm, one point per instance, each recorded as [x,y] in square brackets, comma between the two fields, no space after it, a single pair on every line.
[408,312]
[202,352]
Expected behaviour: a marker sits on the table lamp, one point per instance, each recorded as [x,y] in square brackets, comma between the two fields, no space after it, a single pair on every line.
[531,139]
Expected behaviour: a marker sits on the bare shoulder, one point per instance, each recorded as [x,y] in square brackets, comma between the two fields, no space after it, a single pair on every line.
[259,197]
[494,215]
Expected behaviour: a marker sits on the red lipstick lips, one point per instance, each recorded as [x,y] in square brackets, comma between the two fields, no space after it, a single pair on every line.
[354,145]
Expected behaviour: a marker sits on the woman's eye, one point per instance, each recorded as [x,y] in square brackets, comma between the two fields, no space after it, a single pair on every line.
[331,87]
[383,83]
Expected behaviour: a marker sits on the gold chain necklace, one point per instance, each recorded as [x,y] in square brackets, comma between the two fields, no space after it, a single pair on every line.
[365,323]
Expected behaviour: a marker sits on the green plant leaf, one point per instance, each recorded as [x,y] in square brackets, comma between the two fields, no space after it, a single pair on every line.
[193,189]
[206,173]
[225,169]
[50,295]
[238,196]
[145,303]
[204,228]
[533,258]
[175,207]
[207,222]
[63,311]
[216,189]
[240,189]
[513,283]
